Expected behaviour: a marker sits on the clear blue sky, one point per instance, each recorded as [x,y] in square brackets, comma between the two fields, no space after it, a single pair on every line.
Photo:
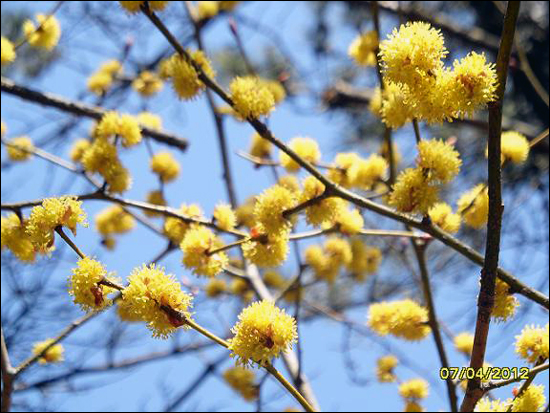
[149,387]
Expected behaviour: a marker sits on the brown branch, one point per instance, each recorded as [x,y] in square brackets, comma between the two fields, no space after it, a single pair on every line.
[501,383]
[81,109]
[69,242]
[8,373]
[489,272]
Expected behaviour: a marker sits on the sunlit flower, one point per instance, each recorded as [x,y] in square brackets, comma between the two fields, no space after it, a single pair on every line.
[363,49]
[438,160]
[442,215]
[384,369]
[20,149]
[225,217]
[15,238]
[242,380]
[306,148]
[85,285]
[532,343]
[412,192]
[464,342]
[196,246]
[8,51]
[405,319]
[165,166]
[473,206]
[147,84]
[250,97]
[45,35]
[54,354]
[505,303]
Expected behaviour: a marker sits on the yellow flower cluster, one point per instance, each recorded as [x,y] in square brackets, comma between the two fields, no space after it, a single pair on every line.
[53,212]
[207,9]
[101,80]
[165,166]
[266,250]
[44,36]
[77,150]
[134,6]
[152,296]
[532,399]
[147,84]
[384,369]
[16,239]
[325,210]
[259,147]
[417,189]
[20,149]
[102,157]
[113,220]
[405,319]
[419,84]
[391,106]
[155,198]
[306,148]
[125,126]
[442,215]
[251,97]
[8,51]
[473,206]
[351,171]
[262,332]
[327,261]
[514,147]
[150,120]
[412,192]
[414,389]
[242,381]
[365,260]
[505,303]
[270,206]
[464,342]
[488,405]
[85,287]
[363,49]
[532,343]
[245,213]
[176,228]
[215,287]
[53,354]
[185,79]
[196,246]
[225,217]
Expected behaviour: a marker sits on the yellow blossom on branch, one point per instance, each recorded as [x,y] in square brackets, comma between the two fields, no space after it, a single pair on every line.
[45,35]
[405,319]
[196,246]
[16,239]
[363,49]
[251,98]
[53,354]
[85,287]
[306,148]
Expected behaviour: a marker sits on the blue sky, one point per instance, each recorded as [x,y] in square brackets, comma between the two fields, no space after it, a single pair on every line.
[83,47]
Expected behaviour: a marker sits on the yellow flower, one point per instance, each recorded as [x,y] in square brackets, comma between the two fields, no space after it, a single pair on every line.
[414,389]
[185,78]
[108,125]
[176,228]
[475,83]
[270,206]
[196,245]
[384,369]
[290,182]
[165,166]
[267,250]
[474,206]
[349,221]
[15,238]
[412,193]
[85,287]
[343,171]
[46,35]
[155,198]
[114,220]
[250,97]
[111,66]
[262,332]
[242,381]
[532,399]
[394,108]
[8,51]
[79,147]
[464,342]
[438,160]
[215,287]
[259,147]
[20,149]
[147,84]
[405,319]
[276,89]
[245,213]
[327,261]
[369,171]
[363,49]
[150,120]
[505,303]
[54,354]
[117,177]
[53,212]
[99,83]
[532,343]
[411,53]
[129,131]
[149,296]
[442,215]
[365,260]
[306,148]
[228,5]
[207,9]
[515,147]
[325,210]
[225,217]
[131,6]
